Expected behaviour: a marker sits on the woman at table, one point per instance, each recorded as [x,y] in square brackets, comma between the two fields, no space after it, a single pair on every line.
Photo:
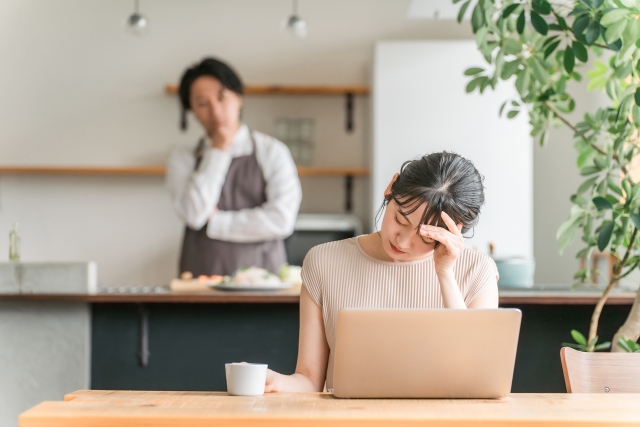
[238,191]
[416,260]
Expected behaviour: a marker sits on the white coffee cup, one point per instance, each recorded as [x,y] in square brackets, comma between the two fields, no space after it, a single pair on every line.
[246,379]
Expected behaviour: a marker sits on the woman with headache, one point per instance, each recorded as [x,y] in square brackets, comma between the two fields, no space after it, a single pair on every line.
[416,260]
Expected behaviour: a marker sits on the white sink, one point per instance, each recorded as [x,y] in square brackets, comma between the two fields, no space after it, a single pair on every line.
[48,277]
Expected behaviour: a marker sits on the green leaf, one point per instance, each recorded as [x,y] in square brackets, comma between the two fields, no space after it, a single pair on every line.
[473,71]
[509,9]
[566,232]
[580,24]
[603,346]
[586,185]
[477,17]
[613,16]
[463,10]
[509,69]
[542,7]
[602,203]
[635,218]
[549,50]
[539,23]
[593,32]
[473,84]
[580,51]
[578,337]
[588,170]
[614,32]
[605,235]
[520,23]
[511,114]
[597,3]
[512,47]
[539,72]
[569,60]
[636,96]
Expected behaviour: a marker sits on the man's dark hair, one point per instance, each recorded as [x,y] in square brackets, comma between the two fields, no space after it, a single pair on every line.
[207,67]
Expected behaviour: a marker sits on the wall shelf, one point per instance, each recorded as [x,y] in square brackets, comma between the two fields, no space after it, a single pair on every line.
[294,90]
[154,170]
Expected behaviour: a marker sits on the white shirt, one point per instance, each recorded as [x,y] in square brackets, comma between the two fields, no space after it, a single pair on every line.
[195,194]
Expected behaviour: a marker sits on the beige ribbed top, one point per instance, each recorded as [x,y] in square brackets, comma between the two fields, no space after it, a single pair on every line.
[341,275]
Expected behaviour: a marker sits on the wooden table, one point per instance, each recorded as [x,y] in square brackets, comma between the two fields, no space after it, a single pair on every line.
[186,409]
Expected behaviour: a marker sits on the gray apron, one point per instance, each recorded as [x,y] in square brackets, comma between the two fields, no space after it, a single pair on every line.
[243,188]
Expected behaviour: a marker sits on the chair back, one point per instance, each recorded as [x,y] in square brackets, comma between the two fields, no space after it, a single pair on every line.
[600,372]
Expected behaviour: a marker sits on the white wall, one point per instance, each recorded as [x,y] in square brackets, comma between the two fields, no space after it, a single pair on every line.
[420,106]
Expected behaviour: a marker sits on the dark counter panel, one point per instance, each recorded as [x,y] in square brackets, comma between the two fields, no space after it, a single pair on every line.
[189,343]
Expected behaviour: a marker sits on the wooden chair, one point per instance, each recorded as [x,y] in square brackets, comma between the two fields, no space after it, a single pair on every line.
[600,372]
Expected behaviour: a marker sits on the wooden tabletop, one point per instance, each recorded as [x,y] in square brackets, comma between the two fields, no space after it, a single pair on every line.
[187,409]
[507,297]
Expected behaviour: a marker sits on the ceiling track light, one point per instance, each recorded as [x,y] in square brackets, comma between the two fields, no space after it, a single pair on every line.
[137,23]
[294,25]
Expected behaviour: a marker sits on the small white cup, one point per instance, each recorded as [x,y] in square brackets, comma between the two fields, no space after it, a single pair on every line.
[246,379]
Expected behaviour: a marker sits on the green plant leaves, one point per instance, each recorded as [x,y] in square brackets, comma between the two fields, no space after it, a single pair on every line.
[509,10]
[636,96]
[613,16]
[635,218]
[605,235]
[512,47]
[511,114]
[539,23]
[580,51]
[549,49]
[463,10]
[509,69]
[543,7]
[473,71]
[569,60]
[520,23]
[586,185]
[602,203]
[614,32]
[593,32]
[477,17]
[566,232]
[578,337]
[580,24]
[629,346]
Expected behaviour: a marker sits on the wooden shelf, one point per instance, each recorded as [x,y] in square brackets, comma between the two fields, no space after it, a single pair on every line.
[155,170]
[294,90]
[82,170]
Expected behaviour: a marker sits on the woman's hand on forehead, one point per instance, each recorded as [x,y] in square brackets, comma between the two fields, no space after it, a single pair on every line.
[452,242]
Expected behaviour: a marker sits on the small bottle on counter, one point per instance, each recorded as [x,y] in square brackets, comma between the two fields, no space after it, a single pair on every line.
[14,244]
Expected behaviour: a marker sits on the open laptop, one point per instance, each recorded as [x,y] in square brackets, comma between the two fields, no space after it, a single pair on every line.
[417,353]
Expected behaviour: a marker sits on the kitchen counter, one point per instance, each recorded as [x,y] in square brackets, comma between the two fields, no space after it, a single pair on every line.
[160,294]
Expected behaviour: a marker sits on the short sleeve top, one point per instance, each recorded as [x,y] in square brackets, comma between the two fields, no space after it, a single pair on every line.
[341,275]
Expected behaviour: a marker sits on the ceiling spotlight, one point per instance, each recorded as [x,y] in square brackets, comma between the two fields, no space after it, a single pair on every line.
[136,22]
[295,25]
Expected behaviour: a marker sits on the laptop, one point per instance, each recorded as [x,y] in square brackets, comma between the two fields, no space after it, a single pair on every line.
[417,353]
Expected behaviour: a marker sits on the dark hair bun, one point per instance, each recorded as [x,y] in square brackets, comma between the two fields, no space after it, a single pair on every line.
[445,182]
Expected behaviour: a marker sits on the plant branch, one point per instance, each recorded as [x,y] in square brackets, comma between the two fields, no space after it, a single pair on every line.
[595,317]
[571,126]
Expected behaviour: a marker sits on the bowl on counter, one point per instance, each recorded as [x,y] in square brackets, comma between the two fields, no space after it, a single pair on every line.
[515,272]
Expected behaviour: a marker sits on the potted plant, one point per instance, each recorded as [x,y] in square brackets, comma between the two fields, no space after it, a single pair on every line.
[540,46]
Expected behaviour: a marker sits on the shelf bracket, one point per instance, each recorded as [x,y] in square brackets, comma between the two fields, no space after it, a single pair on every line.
[143,341]
[348,190]
[349,111]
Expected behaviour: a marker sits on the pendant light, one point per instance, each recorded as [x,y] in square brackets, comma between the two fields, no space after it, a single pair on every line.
[136,22]
[294,25]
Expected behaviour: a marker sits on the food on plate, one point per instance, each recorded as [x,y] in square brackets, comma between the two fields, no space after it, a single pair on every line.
[253,276]
[290,274]
[211,280]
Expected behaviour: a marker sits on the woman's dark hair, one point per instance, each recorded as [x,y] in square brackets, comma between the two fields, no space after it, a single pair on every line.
[208,67]
[445,182]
